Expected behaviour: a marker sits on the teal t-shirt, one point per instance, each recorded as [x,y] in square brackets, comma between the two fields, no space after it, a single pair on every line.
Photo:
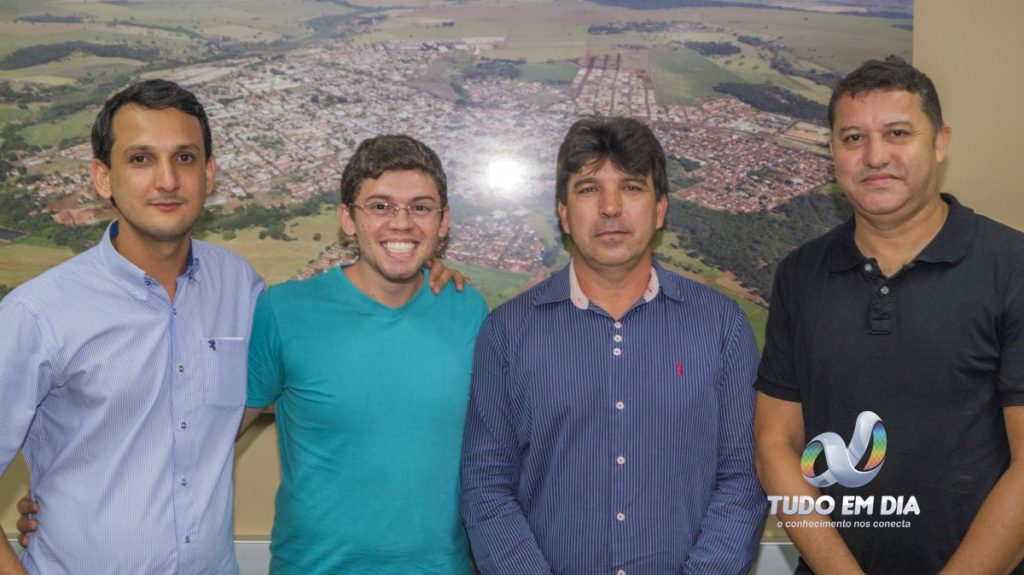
[370,403]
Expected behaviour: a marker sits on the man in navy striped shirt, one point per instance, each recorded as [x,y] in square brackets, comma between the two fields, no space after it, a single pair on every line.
[609,426]
[122,370]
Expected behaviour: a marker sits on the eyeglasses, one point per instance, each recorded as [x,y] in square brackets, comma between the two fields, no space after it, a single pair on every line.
[381,210]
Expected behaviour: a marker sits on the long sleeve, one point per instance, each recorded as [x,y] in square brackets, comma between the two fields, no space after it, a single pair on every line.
[499,532]
[734,519]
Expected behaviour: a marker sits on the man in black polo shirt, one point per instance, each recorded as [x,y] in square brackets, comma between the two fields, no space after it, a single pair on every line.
[891,390]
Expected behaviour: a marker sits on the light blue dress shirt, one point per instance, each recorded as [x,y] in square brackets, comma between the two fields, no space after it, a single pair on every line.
[126,405]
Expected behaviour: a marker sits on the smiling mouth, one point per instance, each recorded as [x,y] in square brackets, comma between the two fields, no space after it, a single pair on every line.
[399,248]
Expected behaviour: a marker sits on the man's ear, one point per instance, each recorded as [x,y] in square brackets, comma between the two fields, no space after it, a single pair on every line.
[348,224]
[100,173]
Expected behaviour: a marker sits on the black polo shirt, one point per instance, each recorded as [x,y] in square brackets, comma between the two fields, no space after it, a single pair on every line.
[936,350]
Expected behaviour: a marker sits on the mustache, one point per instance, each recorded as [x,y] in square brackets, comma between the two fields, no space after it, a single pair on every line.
[611,227]
[891,172]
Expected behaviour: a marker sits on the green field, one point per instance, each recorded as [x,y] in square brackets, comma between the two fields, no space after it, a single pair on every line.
[497,286]
[278,260]
[684,77]
[837,42]
[50,134]
[553,72]
[668,247]
[20,262]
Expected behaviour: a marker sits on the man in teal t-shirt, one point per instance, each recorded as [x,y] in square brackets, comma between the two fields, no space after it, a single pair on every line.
[370,375]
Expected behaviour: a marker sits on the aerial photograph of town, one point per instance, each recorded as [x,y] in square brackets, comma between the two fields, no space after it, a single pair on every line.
[735,91]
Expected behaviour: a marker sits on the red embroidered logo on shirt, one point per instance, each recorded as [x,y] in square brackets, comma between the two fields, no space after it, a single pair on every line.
[679,369]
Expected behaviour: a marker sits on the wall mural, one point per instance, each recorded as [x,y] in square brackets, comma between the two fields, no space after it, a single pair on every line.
[736,91]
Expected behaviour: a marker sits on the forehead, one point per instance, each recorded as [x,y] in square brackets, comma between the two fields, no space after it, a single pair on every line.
[604,169]
[399,185]
[134,125]
[878,107]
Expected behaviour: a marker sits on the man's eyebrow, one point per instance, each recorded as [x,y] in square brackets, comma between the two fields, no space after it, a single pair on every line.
[894,123]
[585,180]
[190,147]
[391,200]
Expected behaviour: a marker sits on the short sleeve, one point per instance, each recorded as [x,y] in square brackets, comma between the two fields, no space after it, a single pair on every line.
[265,373]
[1011,338]
[776,375]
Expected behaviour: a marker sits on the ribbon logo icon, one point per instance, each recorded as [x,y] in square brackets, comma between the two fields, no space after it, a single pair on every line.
[842,460]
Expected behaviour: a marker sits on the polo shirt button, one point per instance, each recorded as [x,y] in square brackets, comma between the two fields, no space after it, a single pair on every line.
[620,572]
[618,325]
[181,368]
[884,290]
[617,338]
[188,539]
[184,482]
[616,351]
[620,460]
[184,425]
[620,516]
[620,405]
[868,268]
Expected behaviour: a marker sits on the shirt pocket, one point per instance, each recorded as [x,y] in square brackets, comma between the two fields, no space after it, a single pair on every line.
[226,387]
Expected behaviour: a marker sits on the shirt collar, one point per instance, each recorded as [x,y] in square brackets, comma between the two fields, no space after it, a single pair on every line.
[136,281]
[950,245]
[565,286]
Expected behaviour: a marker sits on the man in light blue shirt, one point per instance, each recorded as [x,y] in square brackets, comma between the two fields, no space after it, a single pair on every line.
[122,371]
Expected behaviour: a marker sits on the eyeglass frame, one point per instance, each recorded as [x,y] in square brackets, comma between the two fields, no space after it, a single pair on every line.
[394,208]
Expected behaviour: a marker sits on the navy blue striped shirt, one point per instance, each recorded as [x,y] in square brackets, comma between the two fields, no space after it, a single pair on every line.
[126,405]
[622,447]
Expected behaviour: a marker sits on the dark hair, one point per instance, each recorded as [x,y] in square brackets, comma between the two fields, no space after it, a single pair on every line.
[152,94]
[629,144]
[389,153]
[894,74]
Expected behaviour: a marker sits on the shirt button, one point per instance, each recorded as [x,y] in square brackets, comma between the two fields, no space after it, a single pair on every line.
[617,338]
[149,283]
[620,516]
[868,268]
[620,405]
[181,368]
[620,460]
[616,351]
[884,290]
[620,572]
[188,539]
[618,325]
[184,482]
[184,425]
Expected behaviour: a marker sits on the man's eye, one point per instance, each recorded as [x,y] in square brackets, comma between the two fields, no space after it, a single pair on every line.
[421,209]
[586,190]
[898,133]
[378,208]
[186,157]
[852,138]
[137,159]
